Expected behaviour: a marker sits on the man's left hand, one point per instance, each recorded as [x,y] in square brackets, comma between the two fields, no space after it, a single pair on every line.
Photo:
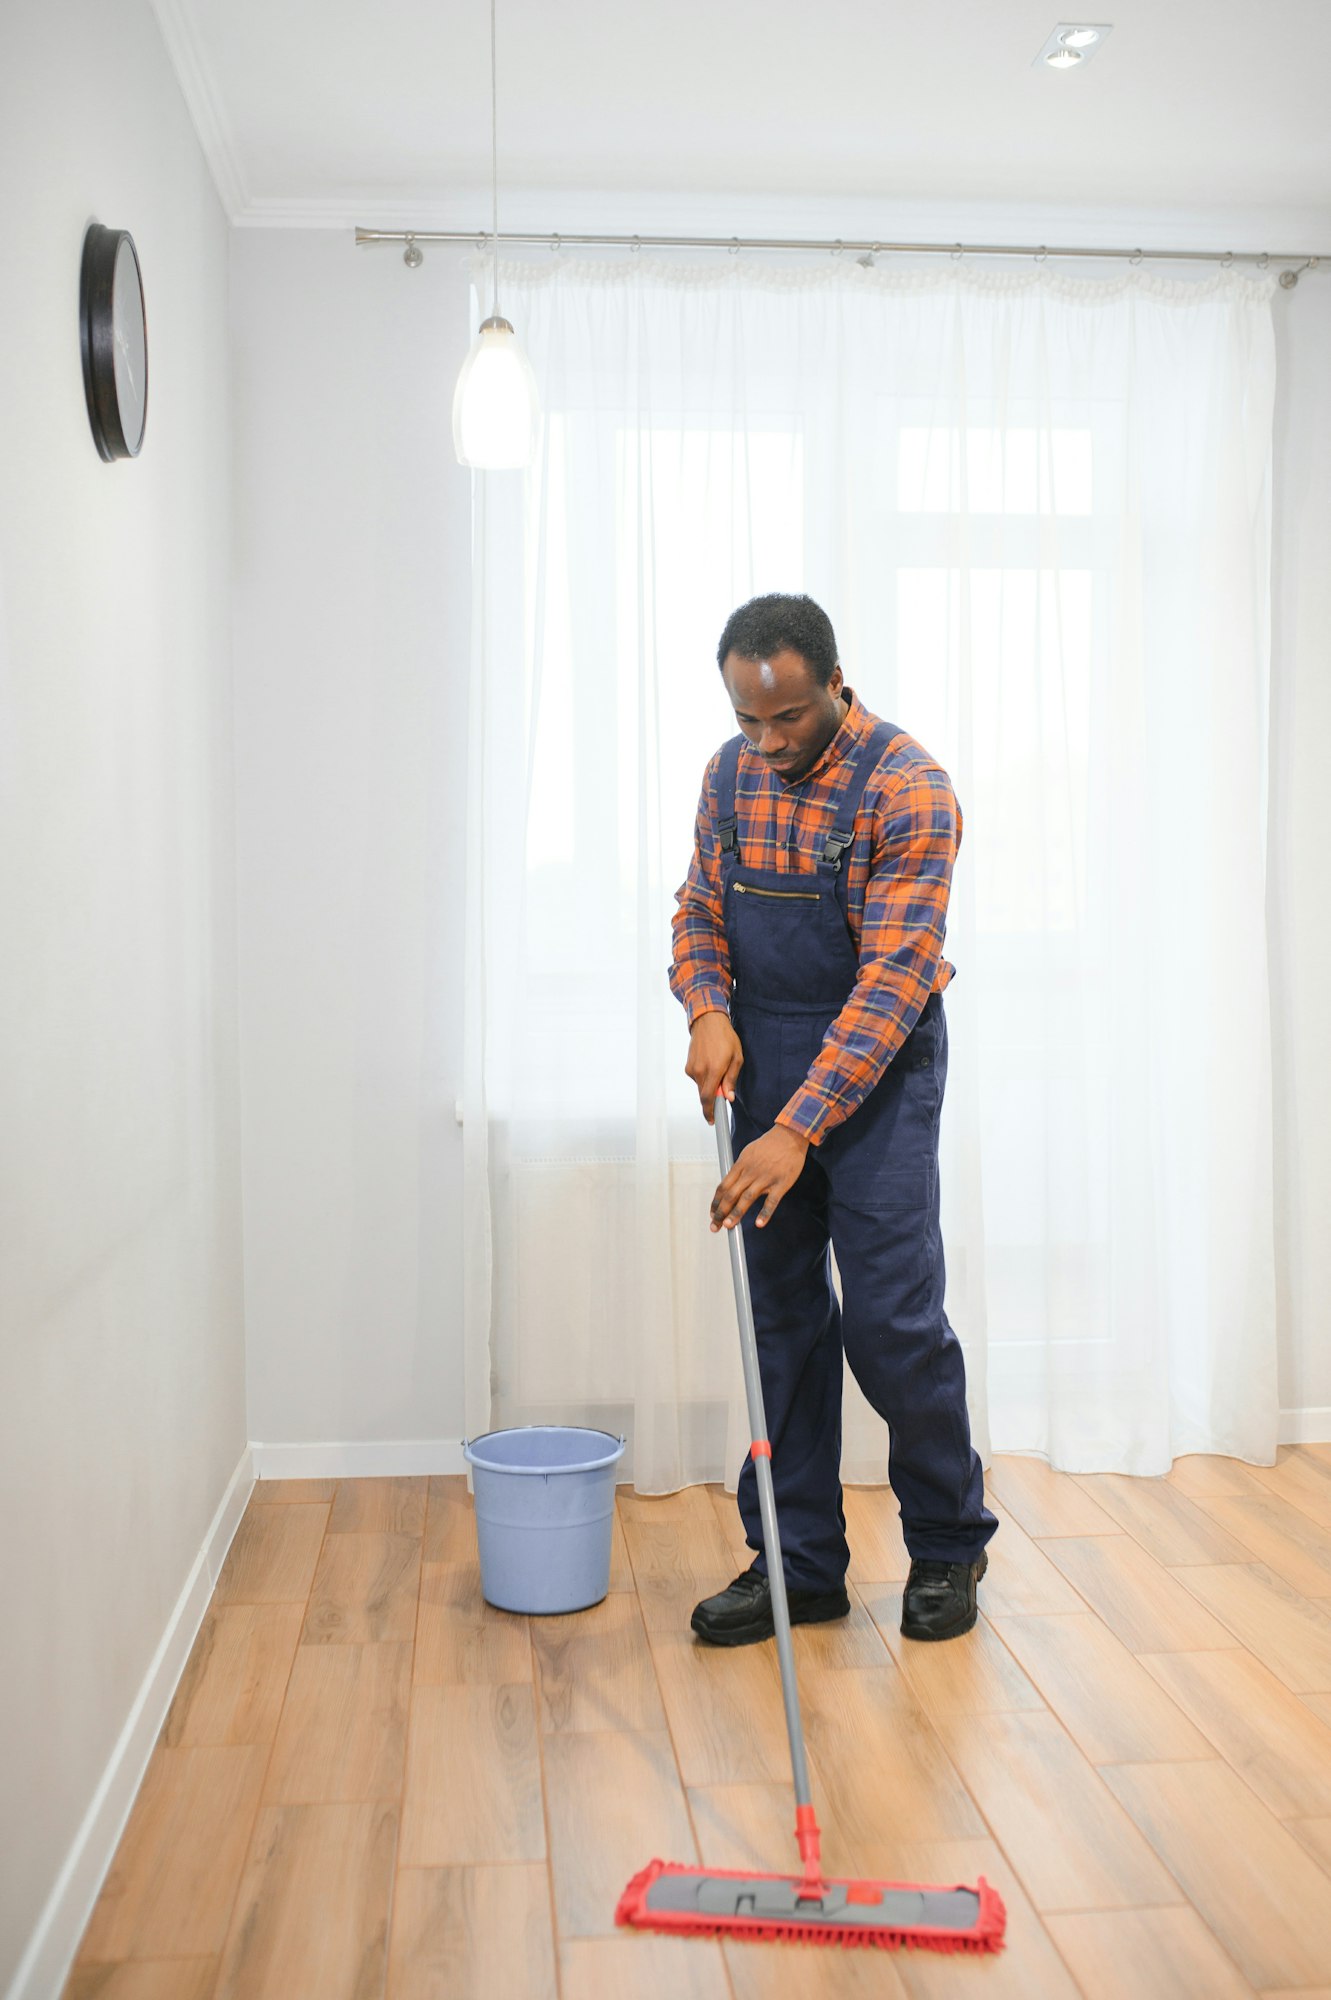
[769,1166]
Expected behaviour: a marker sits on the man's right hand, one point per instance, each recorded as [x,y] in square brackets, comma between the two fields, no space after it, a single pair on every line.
[715,1060]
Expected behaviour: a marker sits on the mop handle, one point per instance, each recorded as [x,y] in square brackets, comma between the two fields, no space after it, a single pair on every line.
[762,1465]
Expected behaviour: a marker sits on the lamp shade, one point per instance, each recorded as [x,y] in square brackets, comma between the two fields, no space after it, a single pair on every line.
[496,408]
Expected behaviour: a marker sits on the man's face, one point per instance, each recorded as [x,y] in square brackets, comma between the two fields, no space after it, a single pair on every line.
[788,717]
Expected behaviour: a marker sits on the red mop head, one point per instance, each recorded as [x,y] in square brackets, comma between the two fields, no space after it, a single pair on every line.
[734,1902]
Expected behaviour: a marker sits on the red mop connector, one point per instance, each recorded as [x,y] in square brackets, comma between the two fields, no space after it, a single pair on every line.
[760,1448]
[810,1846]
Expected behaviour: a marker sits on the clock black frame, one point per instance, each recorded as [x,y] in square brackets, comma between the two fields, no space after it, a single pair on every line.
[101,247]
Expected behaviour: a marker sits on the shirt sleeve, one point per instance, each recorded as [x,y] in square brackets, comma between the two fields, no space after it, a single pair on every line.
[700,969]
[916,835]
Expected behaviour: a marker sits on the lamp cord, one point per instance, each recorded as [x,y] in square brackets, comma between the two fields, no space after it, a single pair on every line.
[494,164]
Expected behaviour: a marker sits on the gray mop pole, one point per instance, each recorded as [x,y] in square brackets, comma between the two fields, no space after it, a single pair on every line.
[762,1465]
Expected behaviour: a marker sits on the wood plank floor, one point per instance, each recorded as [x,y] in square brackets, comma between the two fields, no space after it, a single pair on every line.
[371,1786]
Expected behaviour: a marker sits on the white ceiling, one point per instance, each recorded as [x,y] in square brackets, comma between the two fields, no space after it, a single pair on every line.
[336,110]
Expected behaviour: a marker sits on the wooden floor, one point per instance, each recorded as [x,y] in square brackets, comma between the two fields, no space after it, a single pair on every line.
[371,1784]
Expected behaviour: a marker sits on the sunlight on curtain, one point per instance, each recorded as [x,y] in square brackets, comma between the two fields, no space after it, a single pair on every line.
[1036,509]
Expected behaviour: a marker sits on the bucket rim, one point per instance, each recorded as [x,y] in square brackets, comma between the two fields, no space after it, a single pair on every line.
[597,1464]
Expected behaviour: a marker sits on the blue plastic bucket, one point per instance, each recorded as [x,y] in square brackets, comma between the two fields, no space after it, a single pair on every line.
[545,1502]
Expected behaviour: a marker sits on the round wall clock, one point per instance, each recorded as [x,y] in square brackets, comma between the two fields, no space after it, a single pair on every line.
[114,335]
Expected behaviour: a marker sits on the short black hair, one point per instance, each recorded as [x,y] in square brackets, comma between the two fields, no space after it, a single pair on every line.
[767,625]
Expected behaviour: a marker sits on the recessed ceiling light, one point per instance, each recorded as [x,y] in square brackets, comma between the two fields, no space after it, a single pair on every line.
[1072,43]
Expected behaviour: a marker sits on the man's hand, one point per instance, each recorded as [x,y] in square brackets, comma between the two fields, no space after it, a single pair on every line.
[769,1166]
[715,1060]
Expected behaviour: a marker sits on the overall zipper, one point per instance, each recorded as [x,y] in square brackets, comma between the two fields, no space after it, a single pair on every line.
[778,895]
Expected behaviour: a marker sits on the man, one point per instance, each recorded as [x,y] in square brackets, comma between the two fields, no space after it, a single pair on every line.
[808,957]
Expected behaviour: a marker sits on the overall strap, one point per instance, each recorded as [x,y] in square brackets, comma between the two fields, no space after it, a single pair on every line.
[843,831]
[727,823]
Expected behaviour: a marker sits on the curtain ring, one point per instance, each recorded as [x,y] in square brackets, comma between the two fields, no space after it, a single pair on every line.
[1041,254]
[838,247]
[1264,260]
[1136,257]
[556,245]
[1227,260]
[636,245]
[958,252]
[734,246]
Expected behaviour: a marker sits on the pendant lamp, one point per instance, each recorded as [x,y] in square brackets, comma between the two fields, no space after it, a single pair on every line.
[496,409]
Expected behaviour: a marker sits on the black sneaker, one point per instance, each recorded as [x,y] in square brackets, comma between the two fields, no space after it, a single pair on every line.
[741,1614]
[939,1599]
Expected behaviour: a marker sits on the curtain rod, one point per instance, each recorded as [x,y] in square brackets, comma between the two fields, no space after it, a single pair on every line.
[1296,263]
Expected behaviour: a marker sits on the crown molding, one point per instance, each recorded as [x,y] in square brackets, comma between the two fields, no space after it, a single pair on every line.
[204,103]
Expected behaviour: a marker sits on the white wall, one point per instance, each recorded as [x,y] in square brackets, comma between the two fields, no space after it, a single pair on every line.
[122,1407]
[352,630]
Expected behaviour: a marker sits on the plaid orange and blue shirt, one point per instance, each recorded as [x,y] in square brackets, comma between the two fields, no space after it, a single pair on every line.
[898,877]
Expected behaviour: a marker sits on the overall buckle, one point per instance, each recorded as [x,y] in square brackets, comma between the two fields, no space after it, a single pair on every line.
[834,848]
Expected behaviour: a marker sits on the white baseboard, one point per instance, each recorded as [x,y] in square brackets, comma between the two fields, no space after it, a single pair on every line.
[1307,1426]
[45,1964]
[385,1459]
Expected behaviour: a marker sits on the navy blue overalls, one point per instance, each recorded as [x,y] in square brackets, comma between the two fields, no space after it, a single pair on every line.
[869,1190]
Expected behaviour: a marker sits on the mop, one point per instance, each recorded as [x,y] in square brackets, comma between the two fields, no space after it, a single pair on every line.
[810,1908]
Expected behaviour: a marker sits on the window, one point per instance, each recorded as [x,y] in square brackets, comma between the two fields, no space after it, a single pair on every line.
[986,616]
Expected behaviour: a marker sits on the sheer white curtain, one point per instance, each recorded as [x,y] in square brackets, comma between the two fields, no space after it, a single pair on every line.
[1036,509]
